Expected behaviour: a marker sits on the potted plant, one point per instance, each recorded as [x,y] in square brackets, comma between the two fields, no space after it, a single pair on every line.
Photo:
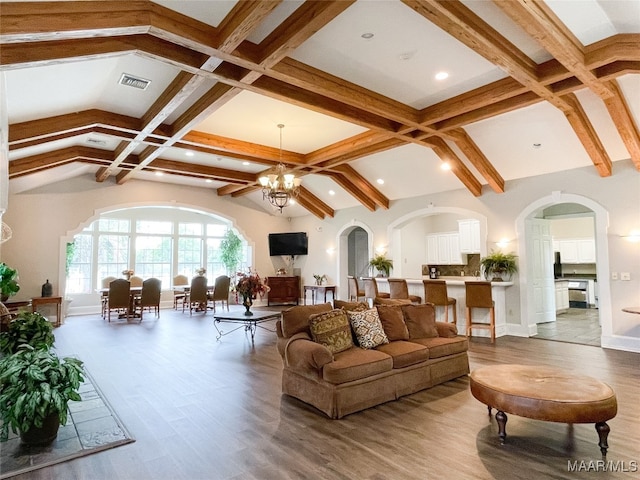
[382,264]
[497,264]
[30,328]
[35,389]
[319,278]
[231,251]
[8,282]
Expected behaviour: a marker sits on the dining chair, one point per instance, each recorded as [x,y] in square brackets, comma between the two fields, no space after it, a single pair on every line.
[136,281]
[398,288]
[104,283]
[179,294]
[197,297]
[371,290]
[435,291]
[119,297]
[150,296]
[355,293]
[220,292]
[478,295]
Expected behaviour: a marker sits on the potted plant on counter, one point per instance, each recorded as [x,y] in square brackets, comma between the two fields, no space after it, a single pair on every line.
[8,282]
[497,264]
[382,264]
[35,389]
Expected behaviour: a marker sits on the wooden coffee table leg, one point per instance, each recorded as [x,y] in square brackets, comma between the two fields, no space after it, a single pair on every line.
[501,418]
[603,432]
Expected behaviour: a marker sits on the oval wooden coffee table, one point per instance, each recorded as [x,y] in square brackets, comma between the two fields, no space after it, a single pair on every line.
[545,393]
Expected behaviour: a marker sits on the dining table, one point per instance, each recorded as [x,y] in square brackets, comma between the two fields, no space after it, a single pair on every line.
[133,293]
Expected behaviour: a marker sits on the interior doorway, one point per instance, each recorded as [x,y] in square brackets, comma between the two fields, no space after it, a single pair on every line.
[358,253]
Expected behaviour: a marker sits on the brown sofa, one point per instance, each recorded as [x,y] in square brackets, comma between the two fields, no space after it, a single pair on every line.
[355,379]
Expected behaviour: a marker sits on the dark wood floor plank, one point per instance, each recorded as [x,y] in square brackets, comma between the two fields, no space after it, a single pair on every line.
[202,409]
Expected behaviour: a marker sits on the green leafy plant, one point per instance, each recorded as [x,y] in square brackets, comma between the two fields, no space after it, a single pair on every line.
[27,328]
[71,250]
[35,384]
[382,264]
[497,264]
[231,251]
[320,279]
[8,280]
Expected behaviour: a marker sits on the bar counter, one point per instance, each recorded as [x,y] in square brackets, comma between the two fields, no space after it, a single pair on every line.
[455,289]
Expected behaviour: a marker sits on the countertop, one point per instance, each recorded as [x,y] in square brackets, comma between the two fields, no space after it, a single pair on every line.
[455,280]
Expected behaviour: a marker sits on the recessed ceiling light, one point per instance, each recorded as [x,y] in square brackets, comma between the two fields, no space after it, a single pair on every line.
[537,145]
[442,75]
[367,36]
[189,153]
[445,166]
[380,181]
[331,192]
[159,174]
[208,180]
[246,163]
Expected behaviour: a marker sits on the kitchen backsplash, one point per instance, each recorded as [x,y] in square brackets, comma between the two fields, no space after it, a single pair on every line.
[573,269]
[470,269]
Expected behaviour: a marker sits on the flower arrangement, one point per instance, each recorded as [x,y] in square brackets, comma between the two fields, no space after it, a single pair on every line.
[127,273]
[320,279]
[250,285]
[201,271]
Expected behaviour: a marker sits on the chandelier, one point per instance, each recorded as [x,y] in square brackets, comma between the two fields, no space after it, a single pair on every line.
[280,186]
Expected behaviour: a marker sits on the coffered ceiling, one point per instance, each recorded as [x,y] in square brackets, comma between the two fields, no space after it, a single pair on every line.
[533,87]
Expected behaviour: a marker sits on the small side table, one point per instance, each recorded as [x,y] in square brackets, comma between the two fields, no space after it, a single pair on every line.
[57,301]
[319,289]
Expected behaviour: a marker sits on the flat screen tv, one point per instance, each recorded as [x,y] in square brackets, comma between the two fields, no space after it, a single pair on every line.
[295,243]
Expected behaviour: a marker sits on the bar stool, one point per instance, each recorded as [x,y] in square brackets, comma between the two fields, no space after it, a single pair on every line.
[371,289]
[399,289]
[354,289]
[435,291]
[478,295]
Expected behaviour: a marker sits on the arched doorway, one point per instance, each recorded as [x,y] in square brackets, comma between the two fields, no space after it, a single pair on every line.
[355,248]
[527,294]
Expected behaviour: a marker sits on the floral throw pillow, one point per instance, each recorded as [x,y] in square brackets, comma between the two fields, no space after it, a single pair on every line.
[368,328]
[332,330]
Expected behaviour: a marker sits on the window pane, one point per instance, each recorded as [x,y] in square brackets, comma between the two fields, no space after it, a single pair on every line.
[153,258]
[214,266]
[149,226]
[190,228]
[79,277]
[113,225]
[189,256]
[113,256]
[216,230]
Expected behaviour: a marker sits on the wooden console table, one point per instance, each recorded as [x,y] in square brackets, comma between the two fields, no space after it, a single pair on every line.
[57,301]
[320,289]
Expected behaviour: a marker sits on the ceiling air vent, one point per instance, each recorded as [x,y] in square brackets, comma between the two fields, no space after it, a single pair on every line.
[135,82]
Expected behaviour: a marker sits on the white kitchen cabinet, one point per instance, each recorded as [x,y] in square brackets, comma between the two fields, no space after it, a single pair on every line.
[444,249]
[469,232]
[577,250]
[562,296]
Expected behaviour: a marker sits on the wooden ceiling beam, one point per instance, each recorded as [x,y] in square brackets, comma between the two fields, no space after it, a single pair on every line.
[539,21]
[45,161]
[623,120]
[203,171]
[587,136]
[352,189]
[312,203]
[363,185]
[478,160]
[459,169]
[241,21]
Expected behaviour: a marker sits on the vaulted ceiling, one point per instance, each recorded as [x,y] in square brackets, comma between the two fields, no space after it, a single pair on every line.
[533,87]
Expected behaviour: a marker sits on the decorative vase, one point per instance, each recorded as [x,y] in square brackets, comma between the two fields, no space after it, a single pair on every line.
[42,435]
[318,282]
[247,301]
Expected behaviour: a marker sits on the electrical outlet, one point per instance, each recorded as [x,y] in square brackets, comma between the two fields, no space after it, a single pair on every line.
[614,275]
[625,276]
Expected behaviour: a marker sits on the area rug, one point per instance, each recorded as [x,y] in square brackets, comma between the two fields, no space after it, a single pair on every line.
[92,426]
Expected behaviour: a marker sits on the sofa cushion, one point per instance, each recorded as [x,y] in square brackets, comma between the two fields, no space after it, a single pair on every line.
[405,353]
[442,347]
[391,301]
[356,363]
[331,329]
[296,319]
[351,306]
[368,328]
[420,320]
[392,321]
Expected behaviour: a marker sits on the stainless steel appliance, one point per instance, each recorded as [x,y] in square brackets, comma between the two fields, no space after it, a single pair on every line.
[433,273]
[579,294]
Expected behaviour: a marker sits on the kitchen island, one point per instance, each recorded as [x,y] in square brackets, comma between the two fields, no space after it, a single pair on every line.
[456,289]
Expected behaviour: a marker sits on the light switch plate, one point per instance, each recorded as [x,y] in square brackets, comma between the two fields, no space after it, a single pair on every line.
[625,276]
[614,275]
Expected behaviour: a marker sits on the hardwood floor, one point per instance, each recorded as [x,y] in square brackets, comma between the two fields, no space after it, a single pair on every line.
[577,325]
[202,409]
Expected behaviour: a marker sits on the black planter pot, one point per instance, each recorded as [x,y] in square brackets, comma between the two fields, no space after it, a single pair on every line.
[42,436]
